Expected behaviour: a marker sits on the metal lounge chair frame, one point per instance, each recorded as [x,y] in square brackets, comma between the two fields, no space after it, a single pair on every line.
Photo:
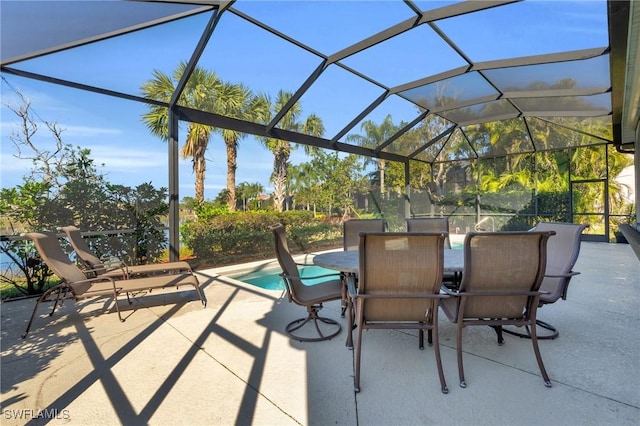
[500,286]
[95,266]
[400,275]
[76,286]
[310,296]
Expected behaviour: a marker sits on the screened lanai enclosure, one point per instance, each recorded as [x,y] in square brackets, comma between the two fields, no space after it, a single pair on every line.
[495,114]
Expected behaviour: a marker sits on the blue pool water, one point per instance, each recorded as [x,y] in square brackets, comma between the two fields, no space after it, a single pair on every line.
[271,280]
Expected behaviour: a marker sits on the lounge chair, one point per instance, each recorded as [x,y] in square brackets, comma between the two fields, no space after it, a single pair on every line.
[500,286]
[398,288]
[310,296]
[98,267]
[75,285]
[562,253]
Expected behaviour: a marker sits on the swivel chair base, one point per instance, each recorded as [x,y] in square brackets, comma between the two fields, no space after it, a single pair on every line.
[313,317]
[527,335]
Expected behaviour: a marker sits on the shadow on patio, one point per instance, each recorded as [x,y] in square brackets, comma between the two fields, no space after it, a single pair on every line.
[173,362]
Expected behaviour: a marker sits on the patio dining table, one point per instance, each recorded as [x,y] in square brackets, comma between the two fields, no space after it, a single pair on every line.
[348,262]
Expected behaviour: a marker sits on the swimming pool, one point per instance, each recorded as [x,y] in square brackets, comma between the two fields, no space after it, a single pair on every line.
[270,279]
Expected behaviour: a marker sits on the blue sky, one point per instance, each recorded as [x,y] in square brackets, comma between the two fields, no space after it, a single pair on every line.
[239,52]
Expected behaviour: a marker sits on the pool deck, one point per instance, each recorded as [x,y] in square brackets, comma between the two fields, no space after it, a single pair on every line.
[172,362]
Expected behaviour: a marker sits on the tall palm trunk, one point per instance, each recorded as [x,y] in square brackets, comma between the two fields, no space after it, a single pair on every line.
[232,165]
[382,165]
[199,169]
[280,172]
[196,147]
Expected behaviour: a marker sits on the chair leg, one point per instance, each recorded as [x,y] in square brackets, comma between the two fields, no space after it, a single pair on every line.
[463,383]
[201,296]
[351,317]
[498,330]
[55,303]
[344,294]
[45,295]
[356,376]
[443,383]
[115,302]
[536,350]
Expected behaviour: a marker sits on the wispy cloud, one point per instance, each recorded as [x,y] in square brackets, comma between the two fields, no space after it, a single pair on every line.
[84,131]
[117,158]
[9,127]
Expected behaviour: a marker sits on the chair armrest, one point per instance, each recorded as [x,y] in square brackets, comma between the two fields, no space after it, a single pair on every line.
[313,277]
[403,296]
[96,280]
[567,275]
[122,267]
[502,293]
[448,291]
[94,270]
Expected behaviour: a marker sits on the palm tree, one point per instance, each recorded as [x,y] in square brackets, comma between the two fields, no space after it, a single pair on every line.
[200,91]
[281,149]
[249,192]
[235,101]
[375,135]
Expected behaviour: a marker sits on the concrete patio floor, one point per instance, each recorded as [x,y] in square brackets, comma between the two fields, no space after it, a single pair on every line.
[172,362]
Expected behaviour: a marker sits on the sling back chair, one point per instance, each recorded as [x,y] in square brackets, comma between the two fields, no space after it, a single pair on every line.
[430,224]
[500,286]
[562,253]
[351,230]
[310,296]
[75,285]
[435,224]
[94,265]
[398,287]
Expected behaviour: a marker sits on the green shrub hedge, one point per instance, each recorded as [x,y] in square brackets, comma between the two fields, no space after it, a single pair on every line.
[234,237]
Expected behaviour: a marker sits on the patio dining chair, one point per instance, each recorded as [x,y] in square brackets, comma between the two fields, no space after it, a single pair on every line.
[351,230]
[96,266]
[562,253]
[400,275]
[75,285]
[430,224]
[311,296]
[500,286]
[435,224]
